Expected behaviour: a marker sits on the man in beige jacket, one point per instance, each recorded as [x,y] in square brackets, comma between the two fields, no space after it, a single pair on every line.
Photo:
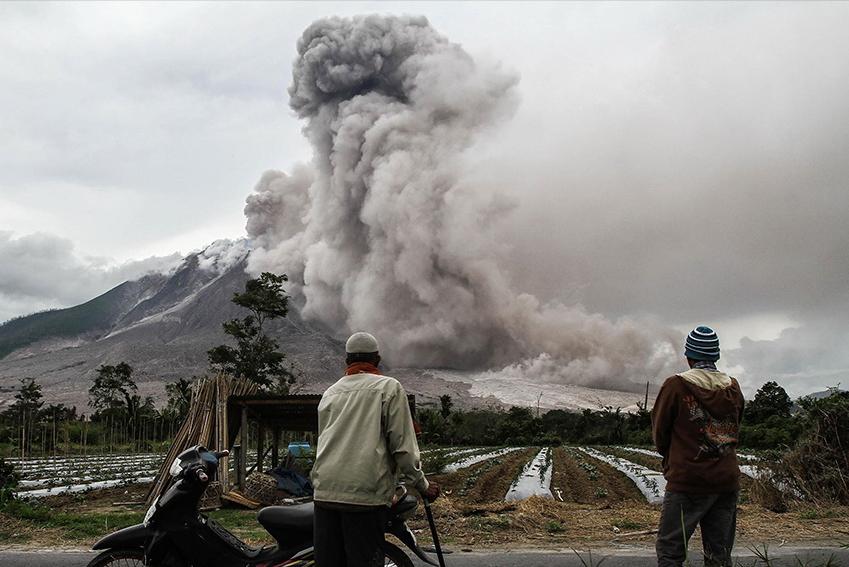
[366,443]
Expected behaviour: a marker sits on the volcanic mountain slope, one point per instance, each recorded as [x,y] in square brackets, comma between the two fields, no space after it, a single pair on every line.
[162,325]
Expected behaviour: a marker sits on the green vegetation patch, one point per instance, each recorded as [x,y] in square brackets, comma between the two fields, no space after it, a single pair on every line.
[71,526]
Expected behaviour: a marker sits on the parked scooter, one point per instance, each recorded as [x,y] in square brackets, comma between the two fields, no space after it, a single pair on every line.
[175,534]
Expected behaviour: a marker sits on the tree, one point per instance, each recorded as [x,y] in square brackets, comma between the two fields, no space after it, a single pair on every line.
[256,355]
[112,388]
[54,415]
[25,411]
[445,405]
[179,398]
[113,393]
[770,400]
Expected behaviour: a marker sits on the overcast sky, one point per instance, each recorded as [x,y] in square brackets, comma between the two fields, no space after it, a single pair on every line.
[684,162]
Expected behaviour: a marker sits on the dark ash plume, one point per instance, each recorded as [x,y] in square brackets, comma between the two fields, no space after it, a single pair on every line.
[382,234]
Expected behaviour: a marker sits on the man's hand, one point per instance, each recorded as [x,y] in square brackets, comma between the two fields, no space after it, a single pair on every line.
[433,491]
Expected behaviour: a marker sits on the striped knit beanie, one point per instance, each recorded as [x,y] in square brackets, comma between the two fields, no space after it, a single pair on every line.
[702,344]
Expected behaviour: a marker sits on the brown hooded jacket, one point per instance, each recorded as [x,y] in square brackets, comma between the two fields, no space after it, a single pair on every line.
[695,425]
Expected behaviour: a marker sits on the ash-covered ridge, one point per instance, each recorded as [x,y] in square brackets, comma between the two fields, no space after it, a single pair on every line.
[163,324]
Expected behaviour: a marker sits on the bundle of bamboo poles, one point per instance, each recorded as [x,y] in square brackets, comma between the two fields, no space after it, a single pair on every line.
[206,424]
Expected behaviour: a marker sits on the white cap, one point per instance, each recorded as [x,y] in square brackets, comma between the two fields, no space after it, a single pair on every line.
[361,343]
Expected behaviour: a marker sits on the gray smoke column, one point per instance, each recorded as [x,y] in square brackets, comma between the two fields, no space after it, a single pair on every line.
[381,234]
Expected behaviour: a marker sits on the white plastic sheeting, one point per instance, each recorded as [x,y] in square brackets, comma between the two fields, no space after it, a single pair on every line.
[454,453]
[640,450]
[535,479]
[747,469]
[475,459]
[75,488]
[100,466]
[48,476]
[650,483]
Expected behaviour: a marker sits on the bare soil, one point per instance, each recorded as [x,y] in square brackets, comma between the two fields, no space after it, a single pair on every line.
[104,500]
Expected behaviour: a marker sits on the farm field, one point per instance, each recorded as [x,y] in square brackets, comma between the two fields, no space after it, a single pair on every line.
[50,476]
[582,501]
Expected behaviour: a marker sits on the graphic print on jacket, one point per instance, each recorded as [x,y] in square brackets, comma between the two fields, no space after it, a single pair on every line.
[718,437]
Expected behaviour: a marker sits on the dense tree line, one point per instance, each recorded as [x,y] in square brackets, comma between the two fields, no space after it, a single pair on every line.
[118,418]
[522,426]
[771,421]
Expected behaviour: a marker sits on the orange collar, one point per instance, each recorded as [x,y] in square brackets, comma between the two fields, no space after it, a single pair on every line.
[361,368]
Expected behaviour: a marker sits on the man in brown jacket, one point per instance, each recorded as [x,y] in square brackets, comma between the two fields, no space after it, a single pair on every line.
[695,424]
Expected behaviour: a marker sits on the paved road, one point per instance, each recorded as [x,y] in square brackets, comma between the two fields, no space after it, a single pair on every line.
[614,558]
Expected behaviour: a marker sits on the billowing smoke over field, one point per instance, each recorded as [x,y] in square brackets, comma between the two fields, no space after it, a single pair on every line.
[381,233]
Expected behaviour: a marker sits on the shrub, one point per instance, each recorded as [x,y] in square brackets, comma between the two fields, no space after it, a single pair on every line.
[8,482]
[555,527]
[817,467]
[435,462]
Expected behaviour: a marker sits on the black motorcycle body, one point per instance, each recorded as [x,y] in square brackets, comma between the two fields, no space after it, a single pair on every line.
[175,534]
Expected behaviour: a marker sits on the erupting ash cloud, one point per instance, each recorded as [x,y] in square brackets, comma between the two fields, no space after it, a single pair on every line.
[381,234]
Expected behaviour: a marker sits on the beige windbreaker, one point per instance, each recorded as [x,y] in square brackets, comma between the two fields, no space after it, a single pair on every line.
[366,442]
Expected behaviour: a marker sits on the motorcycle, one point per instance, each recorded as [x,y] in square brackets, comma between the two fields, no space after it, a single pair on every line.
[175,534]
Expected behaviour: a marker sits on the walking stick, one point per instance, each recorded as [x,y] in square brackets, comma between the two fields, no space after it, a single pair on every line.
[433,533]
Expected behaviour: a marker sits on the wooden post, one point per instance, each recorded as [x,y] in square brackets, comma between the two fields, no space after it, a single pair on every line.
[237,456]
[260,445]
[243,455]
[275,446]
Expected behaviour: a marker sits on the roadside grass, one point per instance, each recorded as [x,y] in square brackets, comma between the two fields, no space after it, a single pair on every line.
[763,558]
[30,519]
[22,522]
[818,514]
[628,524]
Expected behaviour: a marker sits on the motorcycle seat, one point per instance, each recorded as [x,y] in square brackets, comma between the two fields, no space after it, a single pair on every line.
[297,517]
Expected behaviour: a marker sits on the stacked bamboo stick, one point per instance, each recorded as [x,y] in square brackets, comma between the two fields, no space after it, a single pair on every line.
[206,424]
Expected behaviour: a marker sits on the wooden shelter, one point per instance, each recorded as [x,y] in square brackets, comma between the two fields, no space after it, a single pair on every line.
[224,409]
[274,415]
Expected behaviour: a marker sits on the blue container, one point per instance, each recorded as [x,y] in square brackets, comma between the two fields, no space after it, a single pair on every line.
[299,448]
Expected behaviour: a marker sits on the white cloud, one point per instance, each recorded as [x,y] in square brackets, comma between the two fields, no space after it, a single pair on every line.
[42,271]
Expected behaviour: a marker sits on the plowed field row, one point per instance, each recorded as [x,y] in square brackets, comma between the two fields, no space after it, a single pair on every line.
[487,481]
[582,479]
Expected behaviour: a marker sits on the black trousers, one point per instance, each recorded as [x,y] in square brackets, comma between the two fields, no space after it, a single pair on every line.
[348,536]
[716,514]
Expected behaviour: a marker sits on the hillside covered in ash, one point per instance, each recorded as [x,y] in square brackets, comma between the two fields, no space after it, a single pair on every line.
[163,325]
